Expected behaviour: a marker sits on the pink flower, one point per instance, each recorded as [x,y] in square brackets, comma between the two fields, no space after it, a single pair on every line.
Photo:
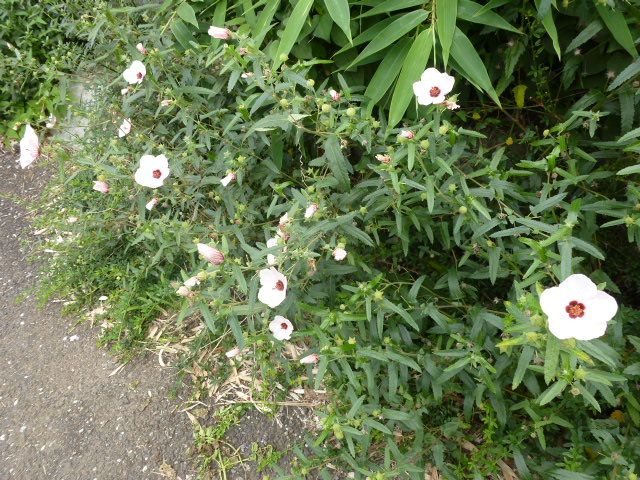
[141,49]
[335,96]
[281,328]
[339,254]
[231,176]
[432,87]
[100,186]
[210,254]
[310,359]
[220,32]
[152,203]
[124,128]
[135,73]
[233,352]
[29,147]
[311,210]
[408,134]
[273,287]
[383,158]
[152,171]
[166,102]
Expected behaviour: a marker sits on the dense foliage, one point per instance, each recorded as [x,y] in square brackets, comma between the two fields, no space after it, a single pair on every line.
[430,336]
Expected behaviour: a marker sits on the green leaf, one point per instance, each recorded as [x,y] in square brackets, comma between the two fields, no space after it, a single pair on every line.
[403,360]
[470,65]
[387,72]
[494,263]
[629,72]
[551,357]
[627,111]
[446,14]
[635,133]
[236,329]
[586,34]
[391,6]
[263,22]
[523,362]
[617,25]
[566,249]
[208,317]
[391,33]
[552,392]
[377,425]
[472,12]
[629,170]
[186,13]
[339,11]
[292,30]
[338,165]
[587,248]
[412,68]
[550,27]
[400,311]
[182,33]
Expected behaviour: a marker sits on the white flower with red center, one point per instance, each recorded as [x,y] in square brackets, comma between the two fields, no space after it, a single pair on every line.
[152,171]
[231,176]
[335,96]
[141,49]
[281,328]
[219,32]
[124,128]
[273,287]
[135,73]
[577,309]
[339,254]
[210,254]
[100,186]
[29,147]
[408,134]
[310,359]
[311,210]
[151,203]
[432,87]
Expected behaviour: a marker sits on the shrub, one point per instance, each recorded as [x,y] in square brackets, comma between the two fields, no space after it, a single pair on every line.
[429,334]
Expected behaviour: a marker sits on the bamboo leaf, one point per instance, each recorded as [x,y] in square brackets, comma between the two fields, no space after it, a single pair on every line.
[391,33]
[549,26]
[412,67]
[339,11]
[473,12]
[446,14]
[470,65]
[585,35]
[263,22]
[391,6]
[629,72]
[387,72]
[292,30]
[617,25]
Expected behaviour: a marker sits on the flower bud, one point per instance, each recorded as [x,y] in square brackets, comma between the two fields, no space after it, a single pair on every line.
[210,254]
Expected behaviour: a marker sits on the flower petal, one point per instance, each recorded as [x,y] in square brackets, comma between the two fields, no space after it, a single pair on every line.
[446,83]
[553,302]
[579,286]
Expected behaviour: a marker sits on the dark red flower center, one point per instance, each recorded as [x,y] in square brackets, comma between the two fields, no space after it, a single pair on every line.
[157,174]
[434,92]
[280,285]
[284,326]
[575,309]
[139,75]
